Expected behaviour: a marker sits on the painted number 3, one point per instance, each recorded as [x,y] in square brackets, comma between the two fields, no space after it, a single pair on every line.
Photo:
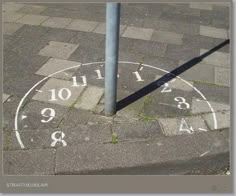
[182,104]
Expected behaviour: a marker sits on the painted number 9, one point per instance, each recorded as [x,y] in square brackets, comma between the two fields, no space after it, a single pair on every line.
[47,113]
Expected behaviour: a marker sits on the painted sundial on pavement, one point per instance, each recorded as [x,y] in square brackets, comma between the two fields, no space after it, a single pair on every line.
[159,95]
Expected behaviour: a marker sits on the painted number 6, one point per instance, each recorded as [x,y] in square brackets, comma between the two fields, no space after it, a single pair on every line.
[182,104]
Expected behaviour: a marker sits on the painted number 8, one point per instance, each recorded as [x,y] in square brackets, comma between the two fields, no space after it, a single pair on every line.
[182,104]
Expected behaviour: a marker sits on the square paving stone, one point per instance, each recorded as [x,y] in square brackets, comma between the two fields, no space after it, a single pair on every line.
[202,5]
[38,115]
[201,106]
[206,72]
[32,19]
[217,58]
[5,97]
[73,136]
[54,65]
[214,92]
[76,116]
[11,16]
[167,37]
[138,33]
[101,28]
[82,25]
[213,32]
[137,130]
[178,27]
[223,120]
[62,35]
[58,50]
[29,162]
[165,104]
[57,22]
[32,9]
[149,48]
[181,52]
[179,126]
[62,90]
[11,6]
[222,76]
[11,28]
[90,98]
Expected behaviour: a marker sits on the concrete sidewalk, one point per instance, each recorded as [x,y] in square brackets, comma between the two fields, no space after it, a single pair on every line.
[174,111]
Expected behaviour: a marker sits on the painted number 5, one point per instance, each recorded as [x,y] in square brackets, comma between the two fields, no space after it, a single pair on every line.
[182,104]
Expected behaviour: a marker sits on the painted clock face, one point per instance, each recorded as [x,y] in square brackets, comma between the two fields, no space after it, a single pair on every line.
[152,93]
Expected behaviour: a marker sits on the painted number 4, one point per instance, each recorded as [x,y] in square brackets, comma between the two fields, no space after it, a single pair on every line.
[184,127]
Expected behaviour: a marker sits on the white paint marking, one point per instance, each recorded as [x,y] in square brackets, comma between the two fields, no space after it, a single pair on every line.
[23,117]
[168,104]
[201,129]
[141,68]
[39,91]
[86,64]
[204,153]
[139,79]
[60,139]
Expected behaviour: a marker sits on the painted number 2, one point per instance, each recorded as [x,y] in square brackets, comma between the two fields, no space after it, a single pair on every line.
[182,104]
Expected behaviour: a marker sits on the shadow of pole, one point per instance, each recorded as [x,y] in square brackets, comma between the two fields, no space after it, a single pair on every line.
[167,77]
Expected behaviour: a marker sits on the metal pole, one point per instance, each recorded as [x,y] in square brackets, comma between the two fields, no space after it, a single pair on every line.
[111,61]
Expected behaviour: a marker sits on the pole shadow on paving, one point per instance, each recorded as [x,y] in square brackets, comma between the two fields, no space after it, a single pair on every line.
[167,77]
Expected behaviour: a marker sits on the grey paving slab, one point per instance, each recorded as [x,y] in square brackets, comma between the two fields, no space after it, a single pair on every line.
[181,52]
[84,117]
[213,92]
[57,22]
[133,157]
[63,35]
[185,125]
[220,23]
[32,9]
[101,28]
[160,62]
[11,6]
[222,76]
[32,32]
[167,37]
[32,19]
[223,120]
[213,32]
[201,106]
[204,42]
[204,6]
[178,27]
[58,50]
[214,14]
[90,98]
[67,92]
[88,40]
[217,58]
[54,65]
[82,25]
[86,54]
[138,33]
[38,115]
[11,28]
[29,162]
[11,16]
[149,48]
[184,18]
[5,97]
[137,130]
[177,83]
[206,72]
[72,136]
[165,104]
